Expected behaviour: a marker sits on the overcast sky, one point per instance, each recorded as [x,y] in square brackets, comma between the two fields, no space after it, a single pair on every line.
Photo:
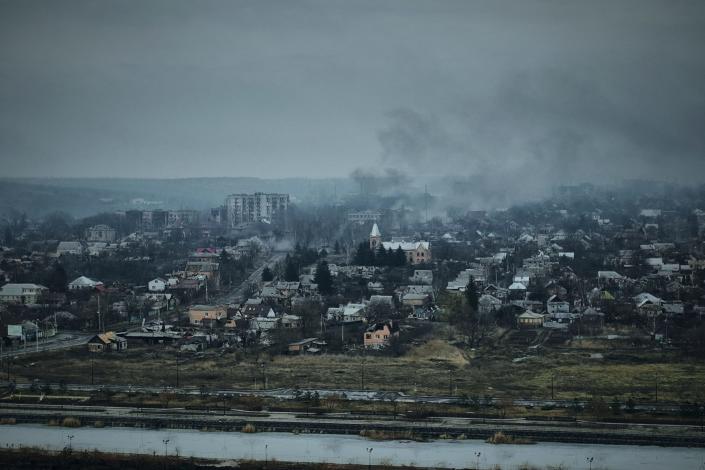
[539,90]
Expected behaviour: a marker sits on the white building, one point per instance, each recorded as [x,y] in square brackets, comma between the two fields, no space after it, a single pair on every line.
[69,248]
[83,282]
[244,208]
[21,293]
[157,285]
[101,233]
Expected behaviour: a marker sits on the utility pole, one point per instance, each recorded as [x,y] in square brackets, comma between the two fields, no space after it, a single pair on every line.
[552,377]
[450,381]
[362,373]
[177,370]
[92,376]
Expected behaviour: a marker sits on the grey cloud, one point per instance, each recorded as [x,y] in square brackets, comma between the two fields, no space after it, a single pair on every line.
[483,92]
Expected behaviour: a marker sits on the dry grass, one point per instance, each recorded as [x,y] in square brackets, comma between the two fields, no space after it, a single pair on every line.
[249,428]
[423,370]
[501,438]
[70,422]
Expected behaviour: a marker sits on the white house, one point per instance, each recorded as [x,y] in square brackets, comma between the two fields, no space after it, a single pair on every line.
[21,293]
[555,305]
[156,285]
[83,282]
[69,248]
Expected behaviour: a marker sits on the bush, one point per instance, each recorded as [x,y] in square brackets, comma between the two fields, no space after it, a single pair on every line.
[501,438]
[249,428]
[70,422]
[99,424]
[8,421]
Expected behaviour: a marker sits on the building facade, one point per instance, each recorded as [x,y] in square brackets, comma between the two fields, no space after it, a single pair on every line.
[246,208]
[101,233]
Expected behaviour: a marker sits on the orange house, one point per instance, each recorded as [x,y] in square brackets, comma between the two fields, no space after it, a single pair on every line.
[378,335]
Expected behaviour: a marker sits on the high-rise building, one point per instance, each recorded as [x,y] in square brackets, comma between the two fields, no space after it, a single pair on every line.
[244,208]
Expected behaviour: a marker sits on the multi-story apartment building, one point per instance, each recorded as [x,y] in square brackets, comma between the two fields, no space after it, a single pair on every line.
[244,208]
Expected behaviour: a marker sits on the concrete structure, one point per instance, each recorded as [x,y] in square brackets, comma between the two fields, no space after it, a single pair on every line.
[69,248]
[24,294]
[246,208]
[416,252]
[197,314]
[101,233]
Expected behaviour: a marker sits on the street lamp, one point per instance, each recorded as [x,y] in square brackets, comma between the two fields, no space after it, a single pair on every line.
[166,446]
[589,461]
[266,459]
[477,462]
[70,437]
[369,457]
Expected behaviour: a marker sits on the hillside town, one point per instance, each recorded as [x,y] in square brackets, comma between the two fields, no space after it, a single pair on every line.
[538,277]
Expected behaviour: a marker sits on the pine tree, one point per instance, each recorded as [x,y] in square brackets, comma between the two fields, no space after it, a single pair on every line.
[323,278]
[471,294]
[336,247]
[291,270]
[57,280]
[400,257]
[267,274]
[364,256]
[381,256]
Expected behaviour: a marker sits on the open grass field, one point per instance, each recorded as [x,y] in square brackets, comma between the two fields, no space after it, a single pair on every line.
[435,367]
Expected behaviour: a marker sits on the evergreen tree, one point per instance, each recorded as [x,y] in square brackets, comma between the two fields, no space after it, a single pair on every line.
[267,274]
[291,270]
[323,278]
[364,256]
[400,257]
[381,256]
[57,280]
[336,247]
[471,294]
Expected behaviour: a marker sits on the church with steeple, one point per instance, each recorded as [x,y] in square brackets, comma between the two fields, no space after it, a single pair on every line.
[416,252]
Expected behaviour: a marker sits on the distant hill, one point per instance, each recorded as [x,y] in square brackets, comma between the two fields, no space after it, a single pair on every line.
[81,197]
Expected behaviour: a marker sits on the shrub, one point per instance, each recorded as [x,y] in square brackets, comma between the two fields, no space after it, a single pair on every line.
[8,421]
[501,438]
[99,424]
[70,422]
[249,428]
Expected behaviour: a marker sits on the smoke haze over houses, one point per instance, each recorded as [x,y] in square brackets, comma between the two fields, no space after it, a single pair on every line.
[525,94]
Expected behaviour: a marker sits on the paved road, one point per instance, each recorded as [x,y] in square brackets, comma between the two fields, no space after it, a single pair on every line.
[63,340]
[354,395]
[237,295]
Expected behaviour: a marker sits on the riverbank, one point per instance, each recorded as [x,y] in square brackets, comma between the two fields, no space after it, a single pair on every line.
[38,459]
[584,432]
[347,449]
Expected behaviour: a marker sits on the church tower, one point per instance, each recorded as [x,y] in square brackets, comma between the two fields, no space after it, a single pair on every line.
[375,238]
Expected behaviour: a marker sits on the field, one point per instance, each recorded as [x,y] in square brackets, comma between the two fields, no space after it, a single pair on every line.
[435,367]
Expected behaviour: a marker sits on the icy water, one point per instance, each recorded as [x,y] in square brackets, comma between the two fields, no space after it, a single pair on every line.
[352,449]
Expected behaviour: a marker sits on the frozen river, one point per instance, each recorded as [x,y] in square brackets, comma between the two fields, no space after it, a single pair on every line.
[351,449]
